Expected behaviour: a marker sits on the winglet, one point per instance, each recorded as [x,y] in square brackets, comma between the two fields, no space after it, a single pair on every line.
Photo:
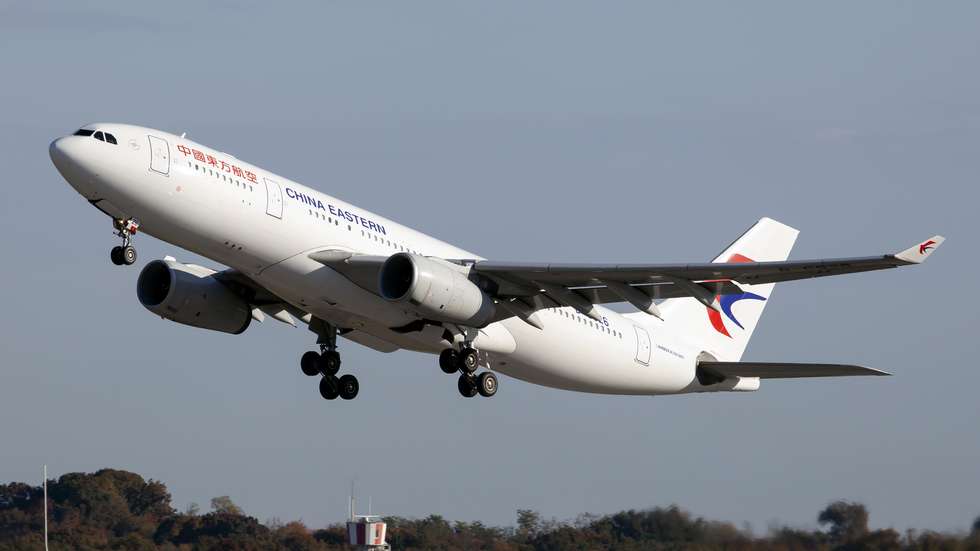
[917,254]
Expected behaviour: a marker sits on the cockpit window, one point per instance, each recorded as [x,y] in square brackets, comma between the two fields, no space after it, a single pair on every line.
[98,135]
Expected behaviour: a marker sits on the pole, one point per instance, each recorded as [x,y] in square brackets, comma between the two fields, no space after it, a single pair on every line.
[45,484]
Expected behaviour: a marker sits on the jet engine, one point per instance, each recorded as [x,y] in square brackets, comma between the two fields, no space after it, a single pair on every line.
[435,289]
[191,295]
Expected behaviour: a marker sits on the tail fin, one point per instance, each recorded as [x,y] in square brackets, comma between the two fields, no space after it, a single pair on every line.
[725,334]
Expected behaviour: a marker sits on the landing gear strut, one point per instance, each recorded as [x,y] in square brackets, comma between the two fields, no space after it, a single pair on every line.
[326,363]
[125,254]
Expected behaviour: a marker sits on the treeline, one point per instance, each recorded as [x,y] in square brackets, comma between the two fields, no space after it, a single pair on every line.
[118,510]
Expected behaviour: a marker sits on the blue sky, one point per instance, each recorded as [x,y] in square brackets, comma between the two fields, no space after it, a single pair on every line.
[558,131]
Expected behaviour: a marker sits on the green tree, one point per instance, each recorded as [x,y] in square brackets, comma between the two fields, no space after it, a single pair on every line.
[848,521]
[528,522]
[224,505]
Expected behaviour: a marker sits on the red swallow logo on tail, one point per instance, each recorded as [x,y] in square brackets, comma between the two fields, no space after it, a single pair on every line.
[926,246]
[727,301]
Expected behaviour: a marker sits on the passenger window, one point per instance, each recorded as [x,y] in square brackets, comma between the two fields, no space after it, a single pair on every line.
[99,136]
[110,139]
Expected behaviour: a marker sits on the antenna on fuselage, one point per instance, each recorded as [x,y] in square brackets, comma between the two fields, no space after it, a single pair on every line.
[182,134]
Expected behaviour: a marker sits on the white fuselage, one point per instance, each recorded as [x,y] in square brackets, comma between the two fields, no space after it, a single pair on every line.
[266,226]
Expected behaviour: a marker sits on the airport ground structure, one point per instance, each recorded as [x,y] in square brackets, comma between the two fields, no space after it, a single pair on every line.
[114,509]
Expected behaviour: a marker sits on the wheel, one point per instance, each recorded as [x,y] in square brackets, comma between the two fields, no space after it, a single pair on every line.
[310,364]
[329,387]
[128,255]
[486,384]
[330,362]
[116,256]
[466,386]
[447,361]
[349,387]
[469,360]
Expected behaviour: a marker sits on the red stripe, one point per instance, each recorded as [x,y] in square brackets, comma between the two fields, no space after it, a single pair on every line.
[715,318]
[713,315]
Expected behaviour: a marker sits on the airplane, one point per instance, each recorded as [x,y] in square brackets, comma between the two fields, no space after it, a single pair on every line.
[297,255]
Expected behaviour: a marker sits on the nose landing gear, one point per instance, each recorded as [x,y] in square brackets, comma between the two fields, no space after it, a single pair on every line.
[125,254]
[326,363]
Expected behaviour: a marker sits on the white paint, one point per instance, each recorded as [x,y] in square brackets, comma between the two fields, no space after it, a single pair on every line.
[266,226]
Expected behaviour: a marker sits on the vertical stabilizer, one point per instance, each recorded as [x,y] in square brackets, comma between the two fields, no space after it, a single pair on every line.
[725,333]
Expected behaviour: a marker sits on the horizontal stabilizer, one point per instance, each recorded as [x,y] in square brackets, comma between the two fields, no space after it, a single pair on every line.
[765,370]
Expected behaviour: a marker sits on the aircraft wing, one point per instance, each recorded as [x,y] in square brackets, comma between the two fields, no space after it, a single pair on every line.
[785,370]
[522,288]
[262,301]
[656,275]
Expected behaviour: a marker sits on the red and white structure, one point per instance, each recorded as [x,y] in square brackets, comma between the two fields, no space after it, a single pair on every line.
[366,531]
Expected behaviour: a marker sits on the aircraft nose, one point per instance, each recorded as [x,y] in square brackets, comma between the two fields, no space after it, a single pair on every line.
[68,155]
[58,152]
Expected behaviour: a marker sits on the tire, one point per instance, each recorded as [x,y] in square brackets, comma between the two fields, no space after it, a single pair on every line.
[466,386]
[486,384]
[329,388]
[115,254]
[128,256]
[310,364]
[469,360]
[330,362]
[447,361]
[349,387]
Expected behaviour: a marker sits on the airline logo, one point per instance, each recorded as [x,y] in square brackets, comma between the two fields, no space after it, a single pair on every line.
[728,301]
[335,211]
[217,163]
[928,245]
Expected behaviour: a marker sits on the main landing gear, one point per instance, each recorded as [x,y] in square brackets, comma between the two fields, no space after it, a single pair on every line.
[466,361]
[326,363]
[126,254]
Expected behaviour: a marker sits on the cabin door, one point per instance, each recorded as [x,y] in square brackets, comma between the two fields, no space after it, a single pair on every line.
[159,155]
[273,198]
[642,346]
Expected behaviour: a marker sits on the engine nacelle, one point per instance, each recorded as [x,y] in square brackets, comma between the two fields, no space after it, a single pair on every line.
[192,296]
[435,289]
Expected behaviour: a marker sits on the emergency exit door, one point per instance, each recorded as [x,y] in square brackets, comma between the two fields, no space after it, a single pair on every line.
[642,346]
[273,198]
[159,155]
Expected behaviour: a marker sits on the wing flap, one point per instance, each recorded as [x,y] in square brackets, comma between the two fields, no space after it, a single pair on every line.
[780,370]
